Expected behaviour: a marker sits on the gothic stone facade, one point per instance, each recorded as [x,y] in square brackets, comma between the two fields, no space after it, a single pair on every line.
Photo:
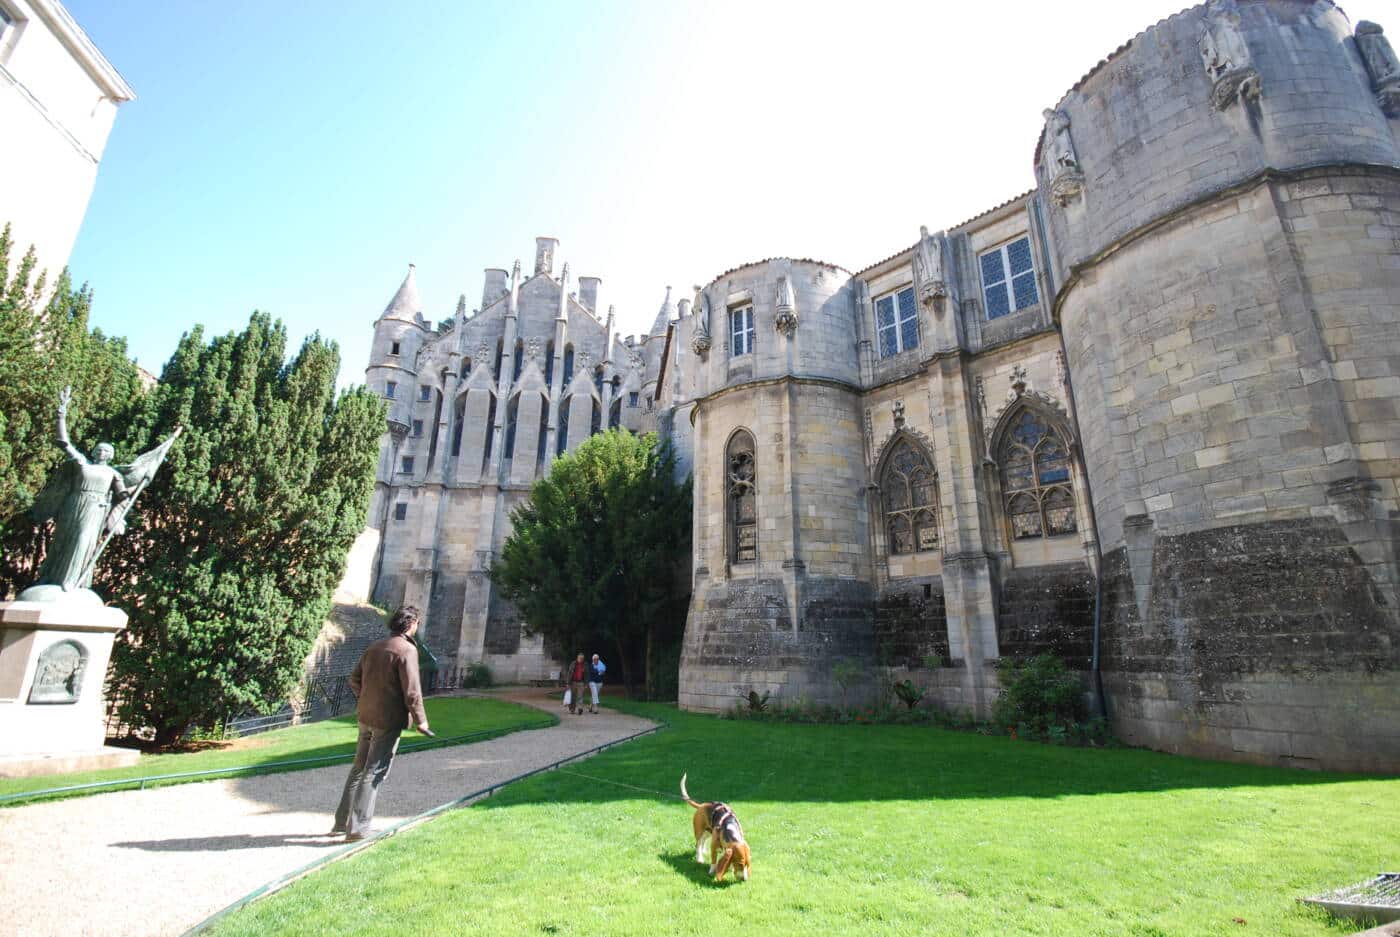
[1165,383]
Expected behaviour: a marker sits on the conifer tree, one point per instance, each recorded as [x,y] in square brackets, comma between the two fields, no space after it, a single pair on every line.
[595,551]
[45,345]
[232,555]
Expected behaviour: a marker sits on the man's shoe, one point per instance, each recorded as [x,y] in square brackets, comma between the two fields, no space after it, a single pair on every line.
[354,837]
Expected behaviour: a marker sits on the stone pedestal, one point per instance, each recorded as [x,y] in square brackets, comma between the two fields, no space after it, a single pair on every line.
[53,662]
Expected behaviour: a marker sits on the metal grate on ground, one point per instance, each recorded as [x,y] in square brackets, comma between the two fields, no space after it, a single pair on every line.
[1375,900]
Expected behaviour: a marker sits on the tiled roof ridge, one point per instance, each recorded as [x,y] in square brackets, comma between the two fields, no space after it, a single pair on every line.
[796,260]
[982,214]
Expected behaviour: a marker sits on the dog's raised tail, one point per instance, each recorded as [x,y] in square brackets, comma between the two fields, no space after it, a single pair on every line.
[686,796]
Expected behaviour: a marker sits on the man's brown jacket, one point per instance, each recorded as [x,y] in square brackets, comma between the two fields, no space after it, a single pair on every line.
[385,682]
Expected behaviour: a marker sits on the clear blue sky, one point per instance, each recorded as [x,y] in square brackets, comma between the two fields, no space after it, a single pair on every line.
[295,157]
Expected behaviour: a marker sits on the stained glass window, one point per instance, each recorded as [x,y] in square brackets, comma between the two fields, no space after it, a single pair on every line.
[740,478]
[1008,278]
[897,322]
[1035,476]
[910,491]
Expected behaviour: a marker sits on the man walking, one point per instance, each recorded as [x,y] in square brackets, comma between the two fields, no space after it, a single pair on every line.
[596,669]
[385,683]
[578,673]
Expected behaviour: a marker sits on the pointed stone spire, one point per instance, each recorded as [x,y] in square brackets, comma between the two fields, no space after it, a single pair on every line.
[608,341]
[563,313]
[461,307]
[405,306]
[663,316]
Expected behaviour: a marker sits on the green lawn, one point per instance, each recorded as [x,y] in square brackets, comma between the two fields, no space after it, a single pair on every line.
[867,830]
[448,716]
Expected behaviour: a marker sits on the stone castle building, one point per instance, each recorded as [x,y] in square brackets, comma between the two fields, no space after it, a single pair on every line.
[1145,416]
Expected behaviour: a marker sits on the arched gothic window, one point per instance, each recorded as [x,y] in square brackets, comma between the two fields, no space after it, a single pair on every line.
[1035,479]
[910,491]
[742,498]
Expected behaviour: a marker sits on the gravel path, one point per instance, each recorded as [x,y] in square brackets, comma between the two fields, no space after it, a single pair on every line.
[157,862]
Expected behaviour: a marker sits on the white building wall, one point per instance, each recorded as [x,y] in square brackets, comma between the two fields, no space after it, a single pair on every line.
[58,99]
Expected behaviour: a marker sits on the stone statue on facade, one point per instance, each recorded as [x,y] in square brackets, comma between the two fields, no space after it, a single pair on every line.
[700,335]
[928,268]
[785,302]
[1066,178]
[1381,64]
[88,500]
[1226,57]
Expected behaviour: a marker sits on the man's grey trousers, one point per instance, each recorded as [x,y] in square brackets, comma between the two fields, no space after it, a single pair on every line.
[373,756]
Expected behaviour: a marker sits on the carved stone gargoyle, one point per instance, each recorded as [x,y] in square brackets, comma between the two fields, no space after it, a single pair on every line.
[786,304]
[1226,57]
[1381,64]
[1066,178]
[928,268]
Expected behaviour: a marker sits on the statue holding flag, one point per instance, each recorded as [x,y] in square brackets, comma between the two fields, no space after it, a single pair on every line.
[88,500]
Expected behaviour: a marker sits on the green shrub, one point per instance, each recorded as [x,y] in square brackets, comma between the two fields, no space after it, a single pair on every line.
[908,694]
[477,675]
[1038,696]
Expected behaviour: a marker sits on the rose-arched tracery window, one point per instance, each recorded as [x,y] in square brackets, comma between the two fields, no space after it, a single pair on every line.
[1035,479]
[910,491]
[742,498]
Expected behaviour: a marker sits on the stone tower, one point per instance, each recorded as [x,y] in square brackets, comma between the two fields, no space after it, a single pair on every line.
[1231,311]
[782,574]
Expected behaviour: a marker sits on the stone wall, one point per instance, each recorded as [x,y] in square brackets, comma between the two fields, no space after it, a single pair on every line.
[1047,610]
[1263,642]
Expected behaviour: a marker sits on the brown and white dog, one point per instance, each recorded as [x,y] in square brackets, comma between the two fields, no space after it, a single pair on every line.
[716,822]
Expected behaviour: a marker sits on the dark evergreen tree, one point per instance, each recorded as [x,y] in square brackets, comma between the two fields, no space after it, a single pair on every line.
[595,550]
[234,551]
[45,345]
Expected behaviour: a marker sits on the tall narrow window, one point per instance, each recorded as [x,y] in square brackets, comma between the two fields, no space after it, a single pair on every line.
[741,330]
[549,364]
[740,478]
[562,443]
[910,492]
[500,353]
[511,410]
[632,398]
[466,368]
[425,393]
[897,322]
[568,364]
[519,361]
[393,348]
[1008,278]
[406,464]
[418,427]
[1036,480]
[391,388]
[401,511]
[490,433]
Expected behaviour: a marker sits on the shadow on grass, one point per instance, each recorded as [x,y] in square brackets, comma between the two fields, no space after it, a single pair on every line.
[747,762]
[685,866]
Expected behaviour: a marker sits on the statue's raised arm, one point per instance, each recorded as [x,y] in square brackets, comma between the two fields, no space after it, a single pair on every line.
[87,500]
[65,396]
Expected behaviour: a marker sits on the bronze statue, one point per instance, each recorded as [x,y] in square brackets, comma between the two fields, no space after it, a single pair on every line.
[88,501]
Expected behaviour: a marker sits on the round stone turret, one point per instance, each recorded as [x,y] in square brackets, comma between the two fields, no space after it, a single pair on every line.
[779,317]
[1222,196]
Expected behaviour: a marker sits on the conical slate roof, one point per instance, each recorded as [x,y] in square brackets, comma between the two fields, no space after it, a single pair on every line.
[405,306]
[663,316]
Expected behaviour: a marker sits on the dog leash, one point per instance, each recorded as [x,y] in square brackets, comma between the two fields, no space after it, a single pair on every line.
[630,787]
[647,790]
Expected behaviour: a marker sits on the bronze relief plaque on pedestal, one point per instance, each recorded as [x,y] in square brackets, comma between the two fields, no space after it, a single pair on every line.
[58,674]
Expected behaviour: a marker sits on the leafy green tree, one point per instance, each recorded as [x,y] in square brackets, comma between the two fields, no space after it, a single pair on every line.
[596,548]
[234,551]
[45,345]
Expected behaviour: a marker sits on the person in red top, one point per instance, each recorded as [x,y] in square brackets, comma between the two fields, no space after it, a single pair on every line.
[578,675]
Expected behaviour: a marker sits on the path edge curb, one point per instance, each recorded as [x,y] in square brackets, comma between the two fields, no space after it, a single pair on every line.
[348,850]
